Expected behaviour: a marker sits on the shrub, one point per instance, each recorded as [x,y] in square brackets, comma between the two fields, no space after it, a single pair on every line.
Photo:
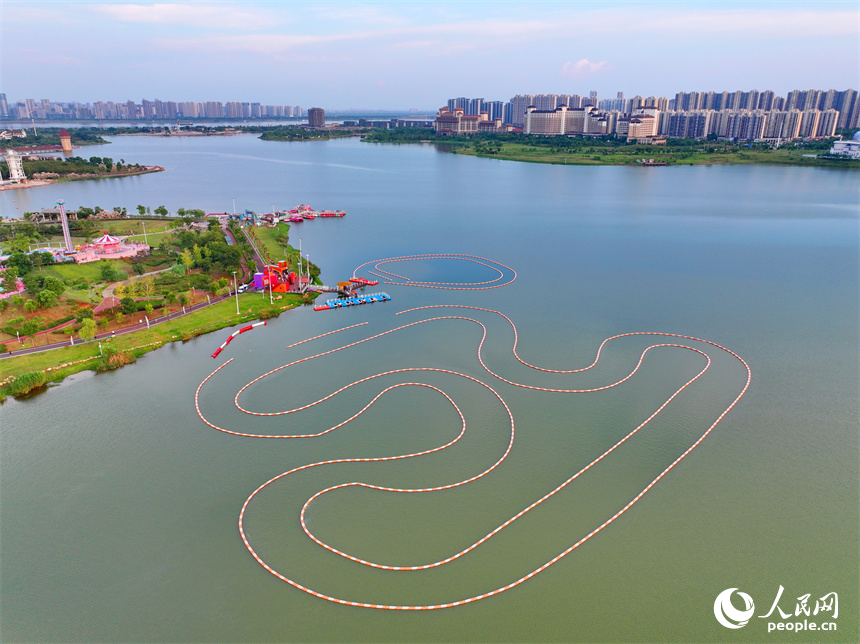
[83,313]
[27,382]
[113,358]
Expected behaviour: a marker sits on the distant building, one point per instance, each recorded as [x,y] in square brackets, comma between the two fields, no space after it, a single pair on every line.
[458,122]
[16,167]
[65,140]
[850,148]
[316,117]
[564,120]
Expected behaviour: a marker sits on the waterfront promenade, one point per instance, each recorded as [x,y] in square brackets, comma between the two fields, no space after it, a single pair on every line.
[110,334]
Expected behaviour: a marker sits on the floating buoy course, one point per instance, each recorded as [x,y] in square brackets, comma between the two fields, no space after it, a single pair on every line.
[234,334]
[505,276]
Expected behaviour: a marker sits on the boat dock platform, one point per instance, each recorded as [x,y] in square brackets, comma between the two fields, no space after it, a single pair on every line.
[352,301]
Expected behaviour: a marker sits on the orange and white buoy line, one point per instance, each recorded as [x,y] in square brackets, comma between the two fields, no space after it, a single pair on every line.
[500,268]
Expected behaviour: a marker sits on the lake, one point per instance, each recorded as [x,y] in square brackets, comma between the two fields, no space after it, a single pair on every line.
[120,506]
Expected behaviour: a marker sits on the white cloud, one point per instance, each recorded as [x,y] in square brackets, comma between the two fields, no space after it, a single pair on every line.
[583,68]
[263,44]
[778,22]
[198,14]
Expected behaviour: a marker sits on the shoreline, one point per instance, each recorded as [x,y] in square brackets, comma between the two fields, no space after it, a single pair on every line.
[38,183]
[60,362]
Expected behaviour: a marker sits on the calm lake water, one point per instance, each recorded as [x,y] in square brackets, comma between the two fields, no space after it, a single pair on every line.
[119,507]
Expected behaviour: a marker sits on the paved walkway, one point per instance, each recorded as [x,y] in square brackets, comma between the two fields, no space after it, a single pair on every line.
[110,334]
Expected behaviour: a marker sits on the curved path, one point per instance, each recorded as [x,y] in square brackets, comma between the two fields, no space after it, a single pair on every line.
[423,566]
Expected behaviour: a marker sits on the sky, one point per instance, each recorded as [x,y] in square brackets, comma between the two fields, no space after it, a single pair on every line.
[416,55]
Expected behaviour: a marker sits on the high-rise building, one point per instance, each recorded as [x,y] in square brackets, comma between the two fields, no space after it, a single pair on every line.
[213,110]
[316,117]
[519,104]
[495,110]
[546,102]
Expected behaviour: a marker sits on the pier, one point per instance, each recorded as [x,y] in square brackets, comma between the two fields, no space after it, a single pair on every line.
[339,303]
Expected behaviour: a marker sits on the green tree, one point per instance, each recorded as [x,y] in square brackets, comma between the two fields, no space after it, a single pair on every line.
[54,284]
[138,268]
[186,258]
[30,306]
[85,313]
[47,298]
[148,308]
[88,329]
[128,305]
[183,299]
[21,243]
[10,280]
[30,327]
[161,211]
[107,272]
[141,209]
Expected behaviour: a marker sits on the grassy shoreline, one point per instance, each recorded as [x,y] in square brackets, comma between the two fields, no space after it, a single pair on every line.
[57,364]
[703,155]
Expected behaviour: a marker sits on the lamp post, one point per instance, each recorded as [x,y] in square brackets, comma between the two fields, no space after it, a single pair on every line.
[236,290]
[145,240]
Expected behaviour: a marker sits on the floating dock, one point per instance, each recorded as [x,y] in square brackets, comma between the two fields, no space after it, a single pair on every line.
[352,301]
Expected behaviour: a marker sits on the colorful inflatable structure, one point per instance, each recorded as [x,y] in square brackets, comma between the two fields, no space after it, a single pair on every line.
[279,277]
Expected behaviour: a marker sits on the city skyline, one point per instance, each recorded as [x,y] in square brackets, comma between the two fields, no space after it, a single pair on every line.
[403,55]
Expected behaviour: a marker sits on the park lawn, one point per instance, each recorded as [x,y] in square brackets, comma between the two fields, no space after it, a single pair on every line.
[90,271]
[132,226]
[81,297]
[268,240]
[218,316]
